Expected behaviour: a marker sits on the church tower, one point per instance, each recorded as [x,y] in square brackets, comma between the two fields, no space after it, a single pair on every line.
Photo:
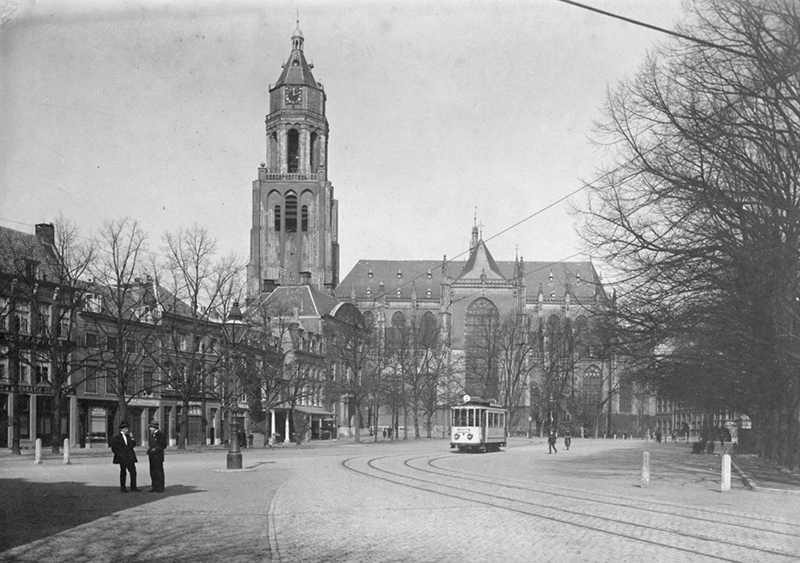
[294,238]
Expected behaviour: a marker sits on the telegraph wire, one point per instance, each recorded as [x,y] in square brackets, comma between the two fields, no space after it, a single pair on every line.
[654,27]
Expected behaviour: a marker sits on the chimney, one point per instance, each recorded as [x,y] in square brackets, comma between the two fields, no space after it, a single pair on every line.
[46,233]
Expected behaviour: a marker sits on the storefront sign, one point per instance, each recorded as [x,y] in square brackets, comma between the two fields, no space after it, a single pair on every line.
[98,412]
[144,402]
[28,389]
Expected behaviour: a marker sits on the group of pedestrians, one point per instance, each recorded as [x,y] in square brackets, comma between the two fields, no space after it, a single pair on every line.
[123,444]
[552,438]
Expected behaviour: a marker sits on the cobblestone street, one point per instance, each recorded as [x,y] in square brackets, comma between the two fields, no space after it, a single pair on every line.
[404,501]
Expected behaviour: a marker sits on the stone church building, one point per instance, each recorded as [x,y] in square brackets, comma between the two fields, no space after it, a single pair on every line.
[294,242]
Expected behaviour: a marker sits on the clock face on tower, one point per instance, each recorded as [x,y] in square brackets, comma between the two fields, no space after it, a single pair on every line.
[294,95]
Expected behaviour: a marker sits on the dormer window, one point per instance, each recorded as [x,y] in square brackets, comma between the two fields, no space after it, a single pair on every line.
[369,274]
[399,274]
[369,292]
[31,269]
[93,303]
[399,292]
[429,293]
[430,275]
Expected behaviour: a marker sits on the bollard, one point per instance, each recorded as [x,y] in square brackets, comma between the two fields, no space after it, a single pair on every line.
[646,469]
[66,451]
[726,473]
[38,459]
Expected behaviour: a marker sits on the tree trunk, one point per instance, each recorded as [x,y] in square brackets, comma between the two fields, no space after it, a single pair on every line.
[357,425]
[55,433]
[183,435]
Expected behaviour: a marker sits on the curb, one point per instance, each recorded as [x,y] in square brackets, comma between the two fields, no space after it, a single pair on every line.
[753,486]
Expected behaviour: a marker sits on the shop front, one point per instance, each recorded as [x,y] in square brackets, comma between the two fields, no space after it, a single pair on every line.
[309,423]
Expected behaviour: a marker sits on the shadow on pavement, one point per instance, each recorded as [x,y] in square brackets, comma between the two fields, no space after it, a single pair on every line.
[31,510]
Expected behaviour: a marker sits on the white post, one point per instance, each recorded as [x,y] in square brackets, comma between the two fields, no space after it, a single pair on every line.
[38,459]
[726,473]
[286,439]
[646,469]
[66,451]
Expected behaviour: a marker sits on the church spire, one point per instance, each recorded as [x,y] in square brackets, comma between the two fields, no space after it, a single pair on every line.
[475,233]
[297,36]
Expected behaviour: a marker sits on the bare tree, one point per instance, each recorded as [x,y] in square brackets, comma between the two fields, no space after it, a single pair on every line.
[121,317]
[419,357]
[698,216]
[41,312]
[349,365]
[200,290]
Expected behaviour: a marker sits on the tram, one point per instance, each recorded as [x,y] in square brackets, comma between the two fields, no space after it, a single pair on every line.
[477,426]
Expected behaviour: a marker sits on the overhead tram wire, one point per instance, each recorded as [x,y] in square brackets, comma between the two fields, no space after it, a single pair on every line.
[654,27]
[650,150]
[585,185]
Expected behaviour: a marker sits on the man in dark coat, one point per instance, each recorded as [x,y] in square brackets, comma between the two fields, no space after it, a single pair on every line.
[551,442]
[155,451]
[125,456]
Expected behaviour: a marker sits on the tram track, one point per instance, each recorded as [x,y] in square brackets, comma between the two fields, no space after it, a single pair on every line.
[715,535]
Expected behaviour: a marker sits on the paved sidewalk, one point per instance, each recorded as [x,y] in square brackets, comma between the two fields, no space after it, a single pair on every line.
[294,501]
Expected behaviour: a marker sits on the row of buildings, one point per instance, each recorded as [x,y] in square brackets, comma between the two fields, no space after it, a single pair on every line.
[516,331]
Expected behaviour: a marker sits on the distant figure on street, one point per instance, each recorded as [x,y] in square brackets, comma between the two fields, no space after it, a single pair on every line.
[384,432]
[674,435]
[271,441]
[551,442]
[155,451]
[250,440]
[658,436]
[122,445]
[567,440]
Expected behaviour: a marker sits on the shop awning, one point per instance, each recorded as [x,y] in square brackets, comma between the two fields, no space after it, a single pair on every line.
[318,411]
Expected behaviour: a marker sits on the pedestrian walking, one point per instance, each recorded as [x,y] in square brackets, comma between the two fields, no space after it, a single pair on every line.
[551,442]
[122,445]
[567,440]
[155,452]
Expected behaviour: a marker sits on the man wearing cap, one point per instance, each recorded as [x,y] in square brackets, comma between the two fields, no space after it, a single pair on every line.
[155,451]
[125,456]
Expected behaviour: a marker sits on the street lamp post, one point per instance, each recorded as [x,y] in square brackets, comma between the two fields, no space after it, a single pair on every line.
[235,330]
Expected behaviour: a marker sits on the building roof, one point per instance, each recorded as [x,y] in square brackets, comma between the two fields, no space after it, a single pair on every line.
[18,248]
[308,301]
[386,276]
[481,263]
[297,70]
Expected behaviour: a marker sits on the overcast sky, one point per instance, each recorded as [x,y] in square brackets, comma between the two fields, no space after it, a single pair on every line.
[437,110]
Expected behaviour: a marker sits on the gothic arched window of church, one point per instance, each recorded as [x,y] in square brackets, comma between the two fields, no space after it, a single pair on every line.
[555,338]
[482,348]
[396,335]
[290,221]
[429,330]
[582,336]
[277,217]
[304,219]
[591,390]
[293,151]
